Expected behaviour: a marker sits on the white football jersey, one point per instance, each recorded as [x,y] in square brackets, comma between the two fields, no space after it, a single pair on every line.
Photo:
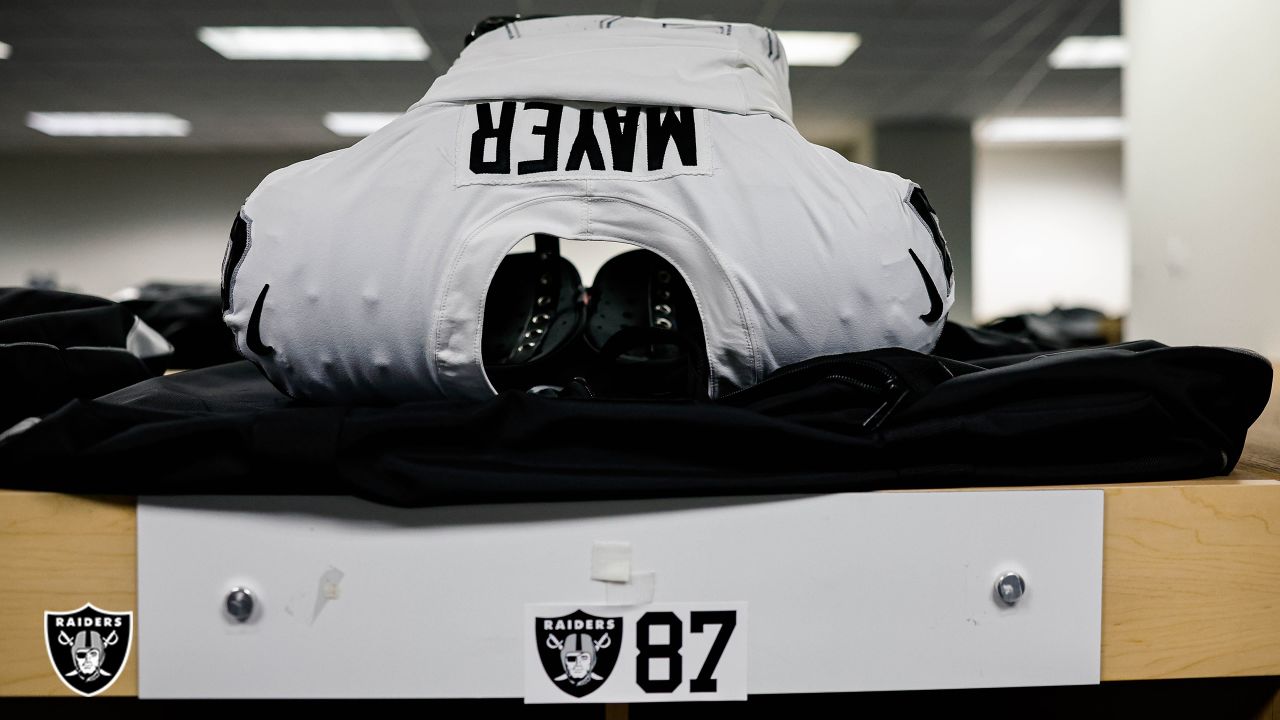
[362,273]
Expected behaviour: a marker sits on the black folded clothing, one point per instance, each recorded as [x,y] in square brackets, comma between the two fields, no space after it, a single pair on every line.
[190,317]
[56,346]
[887,418]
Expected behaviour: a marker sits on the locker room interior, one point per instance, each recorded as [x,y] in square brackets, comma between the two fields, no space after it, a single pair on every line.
[1103,171]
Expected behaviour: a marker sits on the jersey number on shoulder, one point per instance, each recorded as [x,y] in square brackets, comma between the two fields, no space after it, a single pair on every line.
[236,250]
[920,203]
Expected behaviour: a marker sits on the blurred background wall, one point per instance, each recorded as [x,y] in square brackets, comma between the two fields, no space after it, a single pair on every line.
[1050,229]
[1031,224]
[1202,99]
[101,222]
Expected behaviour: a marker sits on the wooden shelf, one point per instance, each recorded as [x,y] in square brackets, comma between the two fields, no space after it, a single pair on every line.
[1191,573]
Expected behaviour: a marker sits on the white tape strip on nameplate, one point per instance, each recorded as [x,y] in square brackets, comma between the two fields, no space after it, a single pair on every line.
[611,561]
[639,591]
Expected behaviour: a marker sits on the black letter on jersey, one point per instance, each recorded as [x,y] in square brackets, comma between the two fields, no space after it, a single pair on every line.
[662,128]
[585,144]
[622,136]
[920,203]
[502,134]
[551,142]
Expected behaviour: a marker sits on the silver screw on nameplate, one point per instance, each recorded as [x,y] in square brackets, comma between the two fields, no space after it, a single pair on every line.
[1010,587]
[240,604]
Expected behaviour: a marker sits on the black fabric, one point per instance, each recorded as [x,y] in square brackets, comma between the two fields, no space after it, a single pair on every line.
[190,318]
[62,319]
[962,342]
[1059,329]
[879,419]
[676,371]
[36,379]
[57,346]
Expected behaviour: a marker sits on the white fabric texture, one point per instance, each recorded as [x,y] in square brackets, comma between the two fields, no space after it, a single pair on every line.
[145,341]
[379,256]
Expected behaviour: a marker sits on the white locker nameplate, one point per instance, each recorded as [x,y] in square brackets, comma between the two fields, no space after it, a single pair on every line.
[847,592]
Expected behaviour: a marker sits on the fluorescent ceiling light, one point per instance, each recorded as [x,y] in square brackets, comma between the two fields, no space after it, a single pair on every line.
[5,51]
[1050,129]
[78,124]
[823,49]
[1090,51]
[357,124]
[315,43]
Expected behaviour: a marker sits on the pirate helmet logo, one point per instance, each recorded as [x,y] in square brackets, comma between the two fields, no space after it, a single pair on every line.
[88,647]
[578,650]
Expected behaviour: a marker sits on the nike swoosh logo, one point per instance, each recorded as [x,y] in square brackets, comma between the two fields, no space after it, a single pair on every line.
[935,300]
[254,340]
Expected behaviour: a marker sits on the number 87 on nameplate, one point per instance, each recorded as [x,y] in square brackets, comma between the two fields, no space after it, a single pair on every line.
[662,652]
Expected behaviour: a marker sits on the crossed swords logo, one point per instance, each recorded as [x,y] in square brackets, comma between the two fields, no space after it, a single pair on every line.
[108,641]
[557,644]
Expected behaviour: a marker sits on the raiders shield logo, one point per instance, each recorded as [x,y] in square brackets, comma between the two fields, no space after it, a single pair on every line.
[88,647]
[578,650]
